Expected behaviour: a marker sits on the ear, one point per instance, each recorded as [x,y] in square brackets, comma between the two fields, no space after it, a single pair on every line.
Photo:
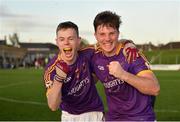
[79,41]
[118,33]
[95,35]
[56,41]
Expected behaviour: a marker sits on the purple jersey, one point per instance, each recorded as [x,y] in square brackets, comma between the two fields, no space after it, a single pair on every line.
[124,101]
[79,93]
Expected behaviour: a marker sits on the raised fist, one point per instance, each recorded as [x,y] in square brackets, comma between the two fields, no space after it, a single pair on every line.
[61,71]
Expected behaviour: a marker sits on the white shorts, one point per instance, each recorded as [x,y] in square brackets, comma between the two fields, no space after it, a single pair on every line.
[84,117]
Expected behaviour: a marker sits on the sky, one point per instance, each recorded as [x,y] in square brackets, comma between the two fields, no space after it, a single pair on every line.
[143,21]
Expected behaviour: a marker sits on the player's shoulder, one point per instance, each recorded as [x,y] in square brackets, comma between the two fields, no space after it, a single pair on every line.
[88,47]
[141,55]
[88,50]
[52,62]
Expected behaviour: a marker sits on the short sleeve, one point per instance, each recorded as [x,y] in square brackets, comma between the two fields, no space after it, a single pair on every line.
[140,64]
[49,73]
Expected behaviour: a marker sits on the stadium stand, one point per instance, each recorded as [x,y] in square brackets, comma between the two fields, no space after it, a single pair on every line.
[26,54]
[38,53]
[10,57]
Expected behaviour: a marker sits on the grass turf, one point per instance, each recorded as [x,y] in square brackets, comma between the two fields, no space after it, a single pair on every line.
[22,96]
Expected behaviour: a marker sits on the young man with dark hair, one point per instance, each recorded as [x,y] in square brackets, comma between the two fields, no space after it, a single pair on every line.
[128,86]
[69,81]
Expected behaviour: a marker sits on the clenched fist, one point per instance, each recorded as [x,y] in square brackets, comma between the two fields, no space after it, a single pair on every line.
[116,70]
[61,71]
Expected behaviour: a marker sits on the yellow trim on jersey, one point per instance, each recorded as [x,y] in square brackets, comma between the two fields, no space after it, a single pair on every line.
[143,56]
[98,49]
[143,72]
[47,74]
[119,47]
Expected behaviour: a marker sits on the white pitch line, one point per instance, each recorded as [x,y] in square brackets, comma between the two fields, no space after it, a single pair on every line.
[20,101]
[13,84]
[166,111]
[39,103]
[44,104]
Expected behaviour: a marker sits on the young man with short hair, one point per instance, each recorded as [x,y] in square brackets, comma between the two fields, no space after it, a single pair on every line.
[69,81]
[128,86]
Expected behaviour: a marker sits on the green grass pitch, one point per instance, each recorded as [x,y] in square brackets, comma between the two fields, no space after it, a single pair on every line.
[22,96]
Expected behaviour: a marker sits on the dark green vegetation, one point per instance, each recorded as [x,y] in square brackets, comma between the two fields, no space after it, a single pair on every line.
[22,96]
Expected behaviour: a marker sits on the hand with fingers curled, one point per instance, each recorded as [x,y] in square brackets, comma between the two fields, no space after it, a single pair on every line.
[116,69]
[62,70]
[130,51]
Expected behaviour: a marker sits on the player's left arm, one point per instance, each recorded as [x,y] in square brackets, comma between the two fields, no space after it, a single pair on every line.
[145,81]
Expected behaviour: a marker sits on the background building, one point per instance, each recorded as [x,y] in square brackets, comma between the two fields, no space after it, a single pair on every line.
[25,54]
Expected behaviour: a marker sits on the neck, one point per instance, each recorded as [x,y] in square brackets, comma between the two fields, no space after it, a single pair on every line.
[110,54]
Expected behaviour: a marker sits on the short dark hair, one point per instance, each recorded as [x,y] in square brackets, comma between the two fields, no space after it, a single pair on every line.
[107,18]
[66,25]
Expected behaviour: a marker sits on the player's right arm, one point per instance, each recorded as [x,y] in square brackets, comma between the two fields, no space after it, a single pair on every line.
[54,77]
[139,76]
[54,96]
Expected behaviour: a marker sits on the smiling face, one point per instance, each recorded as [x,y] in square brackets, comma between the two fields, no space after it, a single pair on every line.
[68,42]
[107,38]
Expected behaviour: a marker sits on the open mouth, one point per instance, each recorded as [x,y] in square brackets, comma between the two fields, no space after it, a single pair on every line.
[68,51]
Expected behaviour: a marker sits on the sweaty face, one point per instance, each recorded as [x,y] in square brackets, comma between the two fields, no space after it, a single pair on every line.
[107,38]
[68,43]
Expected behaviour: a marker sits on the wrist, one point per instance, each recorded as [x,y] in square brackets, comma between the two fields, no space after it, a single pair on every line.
[58,79]
[57,85]
[124,76]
